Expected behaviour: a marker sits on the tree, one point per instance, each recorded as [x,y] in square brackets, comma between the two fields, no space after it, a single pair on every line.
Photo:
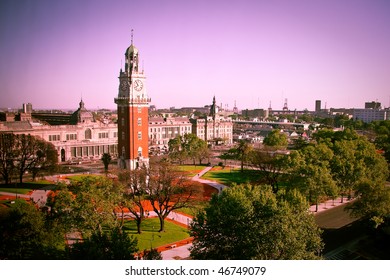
[188,146]
[107,245]
[373,202]
[271,164]
[276,139]
[134,195]
[152,254]
[310,168]
[88,205]
[106,158]
[34,153]
[26,234]
[21,153]
[251,222]
[8,155]
[168,190]
[176,150]
[241,152]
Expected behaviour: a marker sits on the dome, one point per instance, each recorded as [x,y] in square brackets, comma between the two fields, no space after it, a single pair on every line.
[131,49]
[82,115]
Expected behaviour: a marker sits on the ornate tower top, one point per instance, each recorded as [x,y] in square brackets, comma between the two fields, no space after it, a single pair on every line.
[131,58]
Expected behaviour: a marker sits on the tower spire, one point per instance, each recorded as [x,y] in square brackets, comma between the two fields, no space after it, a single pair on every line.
[132,35]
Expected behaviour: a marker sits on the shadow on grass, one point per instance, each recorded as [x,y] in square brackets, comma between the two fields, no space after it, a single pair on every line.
[229,176]
[151,238]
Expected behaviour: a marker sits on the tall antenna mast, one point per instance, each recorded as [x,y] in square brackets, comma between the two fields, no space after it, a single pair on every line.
[132,35]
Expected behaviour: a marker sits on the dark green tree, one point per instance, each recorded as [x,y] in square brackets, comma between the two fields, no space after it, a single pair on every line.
[107,245]
[251,222]
[106,159]
[25,233]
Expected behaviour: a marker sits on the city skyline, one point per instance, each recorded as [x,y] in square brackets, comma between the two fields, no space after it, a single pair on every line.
[252,52]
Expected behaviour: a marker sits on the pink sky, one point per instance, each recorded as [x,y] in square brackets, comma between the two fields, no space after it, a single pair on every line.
[254,52]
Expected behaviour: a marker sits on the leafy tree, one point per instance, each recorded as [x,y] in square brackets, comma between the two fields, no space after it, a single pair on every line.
[240,152]
[311,168]
[251,222]
[26,234]
[188,146]
[176,150]
[373,202]
[89,205]
[21,153]
[152,254]
[107,245]
[271,165]
[168,190]
[106,158]
[276,139]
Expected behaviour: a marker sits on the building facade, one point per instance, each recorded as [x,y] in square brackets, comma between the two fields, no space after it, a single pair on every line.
[133,107]
[214,128]
[162,129]
[83,139]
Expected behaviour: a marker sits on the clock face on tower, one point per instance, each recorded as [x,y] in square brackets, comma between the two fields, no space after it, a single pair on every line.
[138,85]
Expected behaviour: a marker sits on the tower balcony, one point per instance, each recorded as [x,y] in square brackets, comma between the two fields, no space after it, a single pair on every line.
[135,100]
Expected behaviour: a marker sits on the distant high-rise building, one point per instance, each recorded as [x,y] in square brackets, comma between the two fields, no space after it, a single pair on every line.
[133,107]
[372,105]
[318,106]
[27,108]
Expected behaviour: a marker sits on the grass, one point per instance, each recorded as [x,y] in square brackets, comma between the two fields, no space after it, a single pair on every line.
[228,176]
[191,170]
[150,237]
[24,188]
[80,178]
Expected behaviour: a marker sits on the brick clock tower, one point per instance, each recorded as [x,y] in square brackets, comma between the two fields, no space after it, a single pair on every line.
[133,106]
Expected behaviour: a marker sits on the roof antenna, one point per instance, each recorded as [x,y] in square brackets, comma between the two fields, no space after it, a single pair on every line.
[132,36]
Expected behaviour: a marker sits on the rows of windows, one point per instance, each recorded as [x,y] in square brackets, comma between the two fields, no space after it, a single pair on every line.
[54,137]
[88,151]
[87,136]
[103,135]
[72,136]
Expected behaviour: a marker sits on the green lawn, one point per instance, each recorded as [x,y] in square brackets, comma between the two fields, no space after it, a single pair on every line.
[79,178]
[191,170]
[228,176]
[15,190]
[150,235]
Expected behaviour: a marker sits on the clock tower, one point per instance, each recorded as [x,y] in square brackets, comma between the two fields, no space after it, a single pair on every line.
[133,107]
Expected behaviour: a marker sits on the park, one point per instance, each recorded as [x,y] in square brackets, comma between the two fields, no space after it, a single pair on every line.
[318,182]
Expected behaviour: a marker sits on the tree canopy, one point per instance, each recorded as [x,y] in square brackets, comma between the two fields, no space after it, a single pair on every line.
[21,153]
[251,222]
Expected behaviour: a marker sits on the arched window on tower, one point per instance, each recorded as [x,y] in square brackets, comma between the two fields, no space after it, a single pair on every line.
[88,134]
[139,152]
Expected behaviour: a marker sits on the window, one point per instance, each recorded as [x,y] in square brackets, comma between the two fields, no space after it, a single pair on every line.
[54,137]
[88,134]
[139,109]
[123,121]
[115,134]
[103,135]
[139,122]
[139,151]
[123,135]
[71,137]
[139,135]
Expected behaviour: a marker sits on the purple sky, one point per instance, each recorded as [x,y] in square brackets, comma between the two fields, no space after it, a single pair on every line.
[254,52]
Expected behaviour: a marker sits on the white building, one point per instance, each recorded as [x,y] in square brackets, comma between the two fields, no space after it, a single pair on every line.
[84,139]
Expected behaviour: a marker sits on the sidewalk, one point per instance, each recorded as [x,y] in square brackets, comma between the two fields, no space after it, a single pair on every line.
[329,204]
